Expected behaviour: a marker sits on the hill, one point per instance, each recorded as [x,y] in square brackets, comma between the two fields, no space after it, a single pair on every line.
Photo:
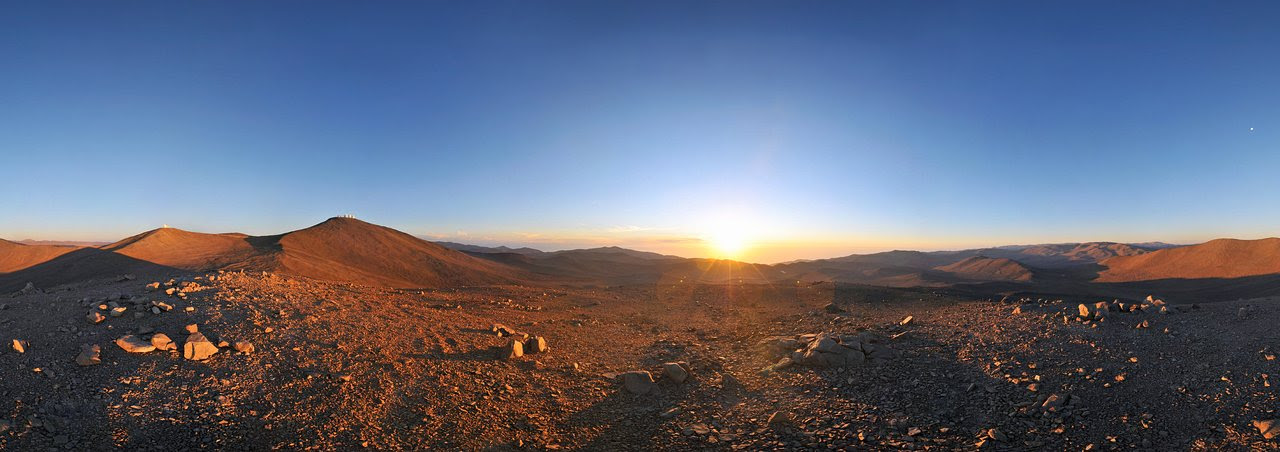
[339,249]
[17,256]
[186,250]
[350,250]
[1221,258]
[988,269]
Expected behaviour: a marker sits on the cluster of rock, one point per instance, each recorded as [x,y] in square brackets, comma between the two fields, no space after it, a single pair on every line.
[29,289]
[174,288]
[1098,311]
[197,346]
[521,343]
[115,306]
[828,350]
[642,382]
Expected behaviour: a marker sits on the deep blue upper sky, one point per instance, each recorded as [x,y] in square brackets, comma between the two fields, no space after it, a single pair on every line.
[820,127]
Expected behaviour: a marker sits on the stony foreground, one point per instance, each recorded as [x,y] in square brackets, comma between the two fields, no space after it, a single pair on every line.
[238,361]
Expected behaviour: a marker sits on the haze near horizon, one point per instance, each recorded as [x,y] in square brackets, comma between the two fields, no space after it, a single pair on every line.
[720,129]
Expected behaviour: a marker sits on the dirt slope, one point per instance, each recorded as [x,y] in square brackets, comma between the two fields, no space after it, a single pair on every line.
[988,269]
[346,249]
[17,256]
[1222,258]
[186,250]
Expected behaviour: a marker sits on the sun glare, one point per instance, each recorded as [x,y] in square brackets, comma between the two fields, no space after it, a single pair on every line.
[728,244]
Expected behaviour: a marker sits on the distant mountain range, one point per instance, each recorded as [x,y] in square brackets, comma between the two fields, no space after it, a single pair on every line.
[339,249]
[350,250]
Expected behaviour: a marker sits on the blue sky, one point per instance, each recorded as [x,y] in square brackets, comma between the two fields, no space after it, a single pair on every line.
[806,129]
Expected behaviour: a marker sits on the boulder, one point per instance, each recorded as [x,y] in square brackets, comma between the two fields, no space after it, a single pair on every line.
[162,342]
[776,346]
[512,350]
[880,352]
[192,328]
[1095,311]
[28,290]
[826,350]
[502,330]
[89,355]
[535,344]
[676,371]
[135,344]
[832,308]
[198,348]
[637,381]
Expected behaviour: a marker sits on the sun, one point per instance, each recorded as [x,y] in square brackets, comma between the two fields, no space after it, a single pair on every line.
[728,243]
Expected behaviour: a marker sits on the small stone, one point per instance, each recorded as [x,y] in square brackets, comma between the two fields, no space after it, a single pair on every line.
[781,420]
[162,342]
[135,344]
[118,311]
[677,372]
[192,328]
[637,381]
[906,321]
[20,346]
[1269,428]
[244,347]
[94,317]
[198,348]
[997,435]
[89,355]
[700,429]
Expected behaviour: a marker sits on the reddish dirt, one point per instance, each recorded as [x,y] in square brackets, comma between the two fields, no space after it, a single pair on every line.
[341,366]
[350,250]
[17,256]
[185,250]
[1222,258]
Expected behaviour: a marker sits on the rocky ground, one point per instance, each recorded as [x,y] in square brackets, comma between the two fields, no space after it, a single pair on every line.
[338,366]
